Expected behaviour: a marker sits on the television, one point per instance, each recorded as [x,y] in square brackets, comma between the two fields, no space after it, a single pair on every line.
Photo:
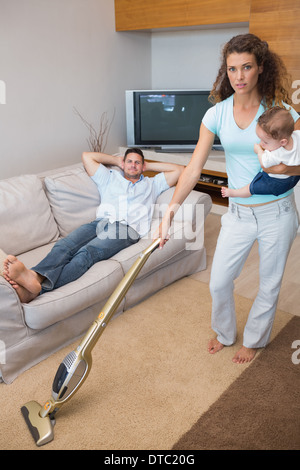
[166,120]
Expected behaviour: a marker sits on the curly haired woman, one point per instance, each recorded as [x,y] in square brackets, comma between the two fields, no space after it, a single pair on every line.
[251,79]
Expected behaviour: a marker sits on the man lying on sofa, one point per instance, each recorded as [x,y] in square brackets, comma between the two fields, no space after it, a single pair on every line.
[124,215]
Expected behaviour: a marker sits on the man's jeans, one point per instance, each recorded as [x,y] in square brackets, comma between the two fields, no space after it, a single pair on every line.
[73,255]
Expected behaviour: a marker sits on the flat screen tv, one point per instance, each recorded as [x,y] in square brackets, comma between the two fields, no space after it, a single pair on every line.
[166,120]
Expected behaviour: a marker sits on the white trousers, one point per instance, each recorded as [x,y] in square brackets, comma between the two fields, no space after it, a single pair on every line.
[275,226]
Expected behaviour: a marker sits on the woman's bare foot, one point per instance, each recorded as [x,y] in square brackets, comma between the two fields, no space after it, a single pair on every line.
[244,355]
[214,346]
[18,275]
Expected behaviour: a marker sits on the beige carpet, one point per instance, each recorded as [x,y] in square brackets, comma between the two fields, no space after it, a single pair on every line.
[152,379]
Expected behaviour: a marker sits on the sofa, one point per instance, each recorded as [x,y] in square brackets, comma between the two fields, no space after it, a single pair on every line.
[35,211]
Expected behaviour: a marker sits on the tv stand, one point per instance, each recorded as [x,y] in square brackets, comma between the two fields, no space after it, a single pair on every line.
[212,178]
[166,150]
[182,150]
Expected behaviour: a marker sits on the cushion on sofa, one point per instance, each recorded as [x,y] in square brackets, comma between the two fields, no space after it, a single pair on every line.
[24,207]
[73,197]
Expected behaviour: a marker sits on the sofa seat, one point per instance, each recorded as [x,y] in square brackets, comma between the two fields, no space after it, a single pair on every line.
[96,285]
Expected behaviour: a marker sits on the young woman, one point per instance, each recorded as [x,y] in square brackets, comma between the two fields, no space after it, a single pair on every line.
[251,79]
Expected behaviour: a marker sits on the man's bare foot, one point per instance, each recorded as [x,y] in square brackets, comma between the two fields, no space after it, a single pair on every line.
[244,355]
[214,346]
[18,275]
[24,295]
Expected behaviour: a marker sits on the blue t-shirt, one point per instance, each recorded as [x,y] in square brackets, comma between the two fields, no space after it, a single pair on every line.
[127,202]
[242,163]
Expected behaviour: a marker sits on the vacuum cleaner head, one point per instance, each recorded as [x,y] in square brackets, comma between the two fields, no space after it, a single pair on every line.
[40,428]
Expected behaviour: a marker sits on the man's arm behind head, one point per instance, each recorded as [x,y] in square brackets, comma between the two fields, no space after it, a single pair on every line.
[171,170]
[92,160]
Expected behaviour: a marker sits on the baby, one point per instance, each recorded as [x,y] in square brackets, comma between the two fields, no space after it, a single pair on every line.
[279,143]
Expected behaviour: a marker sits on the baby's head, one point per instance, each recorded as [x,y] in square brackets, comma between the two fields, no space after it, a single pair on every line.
[274,128]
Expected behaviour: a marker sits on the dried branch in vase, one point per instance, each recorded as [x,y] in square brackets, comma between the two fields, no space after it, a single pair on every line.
[97,139]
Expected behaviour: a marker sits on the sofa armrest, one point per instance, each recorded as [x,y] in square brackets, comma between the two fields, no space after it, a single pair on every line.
[12,324]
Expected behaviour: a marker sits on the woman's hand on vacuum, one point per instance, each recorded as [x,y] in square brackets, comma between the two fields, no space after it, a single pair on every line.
[162,233]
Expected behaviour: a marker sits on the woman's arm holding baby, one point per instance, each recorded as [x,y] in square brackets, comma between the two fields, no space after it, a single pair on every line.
[282,168]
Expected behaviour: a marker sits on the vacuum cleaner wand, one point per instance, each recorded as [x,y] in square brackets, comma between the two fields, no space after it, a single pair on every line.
[76,366]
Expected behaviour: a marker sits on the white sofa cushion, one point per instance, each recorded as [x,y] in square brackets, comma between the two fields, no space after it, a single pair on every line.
[73,197]
[25,209]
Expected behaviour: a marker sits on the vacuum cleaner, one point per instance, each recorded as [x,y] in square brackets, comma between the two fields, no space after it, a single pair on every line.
[76,366]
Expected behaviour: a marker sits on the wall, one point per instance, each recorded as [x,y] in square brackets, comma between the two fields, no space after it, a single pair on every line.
[59,55]
[56,55]
[189,58]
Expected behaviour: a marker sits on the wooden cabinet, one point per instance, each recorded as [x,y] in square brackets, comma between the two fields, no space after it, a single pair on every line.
[153,14]
[277,22]
[211,182]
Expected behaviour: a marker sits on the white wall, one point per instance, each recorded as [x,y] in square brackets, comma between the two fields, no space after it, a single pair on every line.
[56,55]
[59,54]
[191,58]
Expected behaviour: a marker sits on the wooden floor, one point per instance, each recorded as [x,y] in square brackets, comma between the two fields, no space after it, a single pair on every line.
[247,283]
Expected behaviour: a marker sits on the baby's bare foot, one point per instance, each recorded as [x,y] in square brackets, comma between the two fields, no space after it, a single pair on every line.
[225,191]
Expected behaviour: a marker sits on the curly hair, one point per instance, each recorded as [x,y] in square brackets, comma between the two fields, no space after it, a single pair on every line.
[273,82]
